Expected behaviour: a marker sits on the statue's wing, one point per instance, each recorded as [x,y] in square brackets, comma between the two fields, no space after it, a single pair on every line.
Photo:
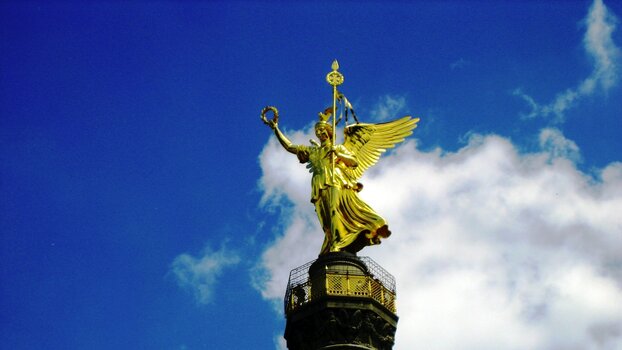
[369,141]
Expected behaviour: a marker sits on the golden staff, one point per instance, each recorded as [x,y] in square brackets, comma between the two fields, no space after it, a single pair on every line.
[335,79]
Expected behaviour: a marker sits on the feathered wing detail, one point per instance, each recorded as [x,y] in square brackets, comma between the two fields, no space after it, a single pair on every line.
[368,141]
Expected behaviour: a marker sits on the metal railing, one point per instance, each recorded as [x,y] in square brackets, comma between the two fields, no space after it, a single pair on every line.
[378,285]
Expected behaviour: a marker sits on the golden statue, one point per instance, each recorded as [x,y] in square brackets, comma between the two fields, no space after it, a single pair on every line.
[349,224]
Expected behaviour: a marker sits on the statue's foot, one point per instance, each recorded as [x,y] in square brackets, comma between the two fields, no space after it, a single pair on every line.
[383,231]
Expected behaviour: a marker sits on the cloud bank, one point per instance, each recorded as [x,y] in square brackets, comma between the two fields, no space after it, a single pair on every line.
[491,248]
[199,275]
[605,55]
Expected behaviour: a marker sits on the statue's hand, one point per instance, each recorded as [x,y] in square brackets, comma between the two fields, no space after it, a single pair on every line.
[274,122]
[334,152]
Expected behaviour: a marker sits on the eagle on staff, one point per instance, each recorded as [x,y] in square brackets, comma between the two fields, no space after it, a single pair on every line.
[349,224]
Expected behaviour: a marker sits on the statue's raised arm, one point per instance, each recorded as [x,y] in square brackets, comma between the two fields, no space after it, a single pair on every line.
[300,151]
[274,125]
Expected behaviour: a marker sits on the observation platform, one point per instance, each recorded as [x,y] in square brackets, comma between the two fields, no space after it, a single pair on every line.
[340,301]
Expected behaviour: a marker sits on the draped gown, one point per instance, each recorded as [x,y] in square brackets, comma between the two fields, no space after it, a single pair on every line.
[347,221]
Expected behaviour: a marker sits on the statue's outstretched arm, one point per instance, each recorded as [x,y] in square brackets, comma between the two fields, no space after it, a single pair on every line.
[300,151]
[285,142]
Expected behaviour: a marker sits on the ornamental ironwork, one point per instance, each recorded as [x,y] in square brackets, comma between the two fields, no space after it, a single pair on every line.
[376,284]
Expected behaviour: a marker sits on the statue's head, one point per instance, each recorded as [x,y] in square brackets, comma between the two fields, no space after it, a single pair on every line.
[323,131]
[323,128]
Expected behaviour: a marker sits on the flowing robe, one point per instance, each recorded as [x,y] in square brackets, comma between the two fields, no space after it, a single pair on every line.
[348,222]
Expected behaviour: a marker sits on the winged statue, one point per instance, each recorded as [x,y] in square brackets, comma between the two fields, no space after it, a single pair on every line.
[349,224]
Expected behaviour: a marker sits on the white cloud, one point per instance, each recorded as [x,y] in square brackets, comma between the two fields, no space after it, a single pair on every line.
[553,141]
[286,185]
[491,248]
[599,45]
[280,342]
[199,275]
[388,108]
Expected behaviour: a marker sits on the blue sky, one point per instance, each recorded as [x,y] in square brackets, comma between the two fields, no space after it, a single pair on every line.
[144,205]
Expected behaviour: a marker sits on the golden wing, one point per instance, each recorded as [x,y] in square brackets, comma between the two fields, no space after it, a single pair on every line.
[369,141]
